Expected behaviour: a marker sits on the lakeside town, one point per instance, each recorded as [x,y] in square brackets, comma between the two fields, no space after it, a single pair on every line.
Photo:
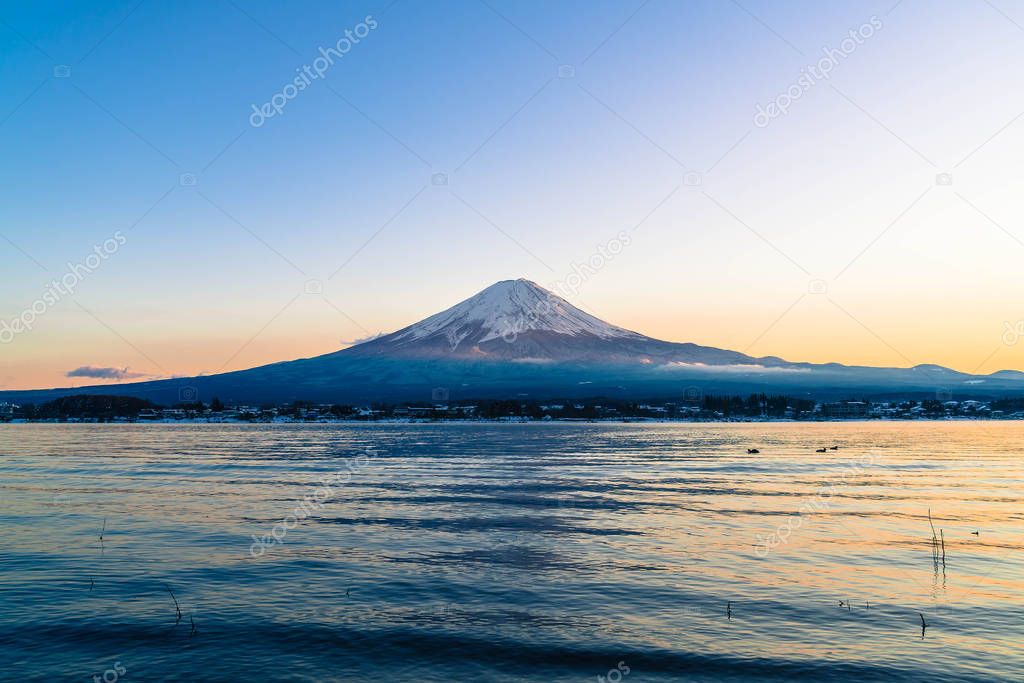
[753,408]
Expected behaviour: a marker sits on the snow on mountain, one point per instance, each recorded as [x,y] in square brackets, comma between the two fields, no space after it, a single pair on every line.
[508,308]
[497,322]
[518,320]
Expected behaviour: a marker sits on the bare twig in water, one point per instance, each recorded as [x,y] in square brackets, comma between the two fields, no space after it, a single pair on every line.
[935,542]
[91,584]
[924,624]
[194,629]
[176,607]
[942,535]
[104,529]
[728,611]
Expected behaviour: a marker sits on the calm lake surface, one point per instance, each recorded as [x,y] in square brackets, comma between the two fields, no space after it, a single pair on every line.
[536,552]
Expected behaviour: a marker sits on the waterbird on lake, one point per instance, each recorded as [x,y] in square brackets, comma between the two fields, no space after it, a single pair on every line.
[821,450]
[976,533]
[833,448]
[753,450]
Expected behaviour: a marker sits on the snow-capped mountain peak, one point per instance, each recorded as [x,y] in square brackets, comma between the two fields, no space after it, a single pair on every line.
[507,309]
[492,321]
[520,321]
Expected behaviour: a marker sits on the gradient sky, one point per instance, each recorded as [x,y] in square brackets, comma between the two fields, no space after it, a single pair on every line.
[822,236]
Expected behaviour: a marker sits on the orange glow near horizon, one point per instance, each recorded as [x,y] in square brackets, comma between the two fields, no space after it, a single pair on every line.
[813,330]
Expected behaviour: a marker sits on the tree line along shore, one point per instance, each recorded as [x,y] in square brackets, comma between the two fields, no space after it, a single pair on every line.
[102,408]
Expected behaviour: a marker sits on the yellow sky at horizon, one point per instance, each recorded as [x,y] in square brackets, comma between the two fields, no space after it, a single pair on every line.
[810,327]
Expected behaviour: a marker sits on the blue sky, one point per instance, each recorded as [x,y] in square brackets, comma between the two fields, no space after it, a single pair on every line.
[557,125]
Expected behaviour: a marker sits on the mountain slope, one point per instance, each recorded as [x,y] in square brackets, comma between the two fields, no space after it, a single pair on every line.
[520,320]
[490,324]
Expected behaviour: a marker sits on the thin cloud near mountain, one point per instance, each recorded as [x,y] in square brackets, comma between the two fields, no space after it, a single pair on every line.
[94,372]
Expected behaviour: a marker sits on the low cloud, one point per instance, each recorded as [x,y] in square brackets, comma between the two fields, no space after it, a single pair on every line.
[94,372]
[737,367]
[361,340]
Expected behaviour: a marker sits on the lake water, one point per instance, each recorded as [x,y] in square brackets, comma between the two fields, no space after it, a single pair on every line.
[536,552]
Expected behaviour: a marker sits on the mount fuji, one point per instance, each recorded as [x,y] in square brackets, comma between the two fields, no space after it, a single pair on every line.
[516,339]
[518,320]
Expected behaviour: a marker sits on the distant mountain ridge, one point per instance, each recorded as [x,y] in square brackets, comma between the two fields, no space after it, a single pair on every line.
[517,339]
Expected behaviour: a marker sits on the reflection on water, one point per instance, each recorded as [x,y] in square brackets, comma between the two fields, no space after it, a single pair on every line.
[556,552]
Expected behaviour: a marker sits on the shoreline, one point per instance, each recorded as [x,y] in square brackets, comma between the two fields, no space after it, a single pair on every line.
[408,421]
